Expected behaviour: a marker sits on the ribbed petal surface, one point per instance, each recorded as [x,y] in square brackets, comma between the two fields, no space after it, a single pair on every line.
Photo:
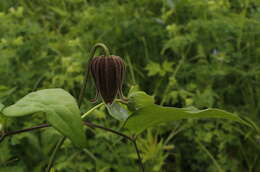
[108,73]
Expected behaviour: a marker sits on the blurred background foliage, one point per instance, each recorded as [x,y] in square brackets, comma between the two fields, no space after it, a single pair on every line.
[203,53]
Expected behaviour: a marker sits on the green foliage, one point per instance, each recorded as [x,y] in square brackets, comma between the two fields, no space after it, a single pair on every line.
[117,111]
[138,100]
[60,108]
[151,115]
[182,52]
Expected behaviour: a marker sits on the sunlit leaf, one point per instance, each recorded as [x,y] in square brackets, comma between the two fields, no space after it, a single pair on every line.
[117,111]
[153,69]
[139,99]
[60,108]
[153,115]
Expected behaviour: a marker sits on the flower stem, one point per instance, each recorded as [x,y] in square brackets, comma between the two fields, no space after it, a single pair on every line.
[91,110]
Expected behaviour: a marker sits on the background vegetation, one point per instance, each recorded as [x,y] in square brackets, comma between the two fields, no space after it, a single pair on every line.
[203,53]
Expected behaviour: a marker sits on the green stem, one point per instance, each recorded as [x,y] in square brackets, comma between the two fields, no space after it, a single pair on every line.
[174,75]
[60,142]
[138,155]
[210,155]
[91,110]
[53,155]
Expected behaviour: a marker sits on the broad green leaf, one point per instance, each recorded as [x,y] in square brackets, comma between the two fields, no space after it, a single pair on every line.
[60,108]
[117,111]
[139,99]
[153,115]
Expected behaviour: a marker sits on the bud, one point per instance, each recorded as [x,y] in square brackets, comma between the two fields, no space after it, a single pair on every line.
[108,73]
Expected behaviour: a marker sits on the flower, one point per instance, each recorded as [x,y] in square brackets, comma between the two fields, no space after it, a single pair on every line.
[108,73]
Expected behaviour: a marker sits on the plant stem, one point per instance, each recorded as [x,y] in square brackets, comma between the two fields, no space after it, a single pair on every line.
[91,125]
[210,155]
[22,131]
[133,140]
[174,75]
[60,142]
[138,154]
[91,110]
[57,147]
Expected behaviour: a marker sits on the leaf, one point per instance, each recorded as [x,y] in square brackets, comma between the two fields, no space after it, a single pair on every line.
[167,66]
[117,111]
[59,11]
[1,107]
[153,69]
[153,115]
[139,99]
[60,108]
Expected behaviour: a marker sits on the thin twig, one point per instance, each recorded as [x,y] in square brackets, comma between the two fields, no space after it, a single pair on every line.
[133,140]
[89,124]
[57,147]
[210,155]
[139,157]
[22,131]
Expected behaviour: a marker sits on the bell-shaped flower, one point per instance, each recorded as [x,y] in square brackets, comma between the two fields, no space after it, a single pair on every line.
[108,73]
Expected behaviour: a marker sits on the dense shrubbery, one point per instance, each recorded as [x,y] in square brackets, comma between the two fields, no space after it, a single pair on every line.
[184,52]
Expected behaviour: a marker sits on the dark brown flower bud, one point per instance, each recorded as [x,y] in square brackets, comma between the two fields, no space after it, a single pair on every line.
[108,73]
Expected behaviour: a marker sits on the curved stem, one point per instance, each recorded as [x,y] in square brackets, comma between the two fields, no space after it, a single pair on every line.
[91,110]
[60,142]
[57,147]
[97,106]
[139,156]
[22,131]
[91,125]
[92,53]
[99,45]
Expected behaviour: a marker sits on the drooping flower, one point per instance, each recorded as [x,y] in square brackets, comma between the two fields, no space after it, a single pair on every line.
[108,73]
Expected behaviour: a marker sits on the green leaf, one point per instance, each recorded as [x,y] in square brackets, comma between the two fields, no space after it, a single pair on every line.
[139,99]
[117,111]
[60,108]
[167,66]
[153,115]
[153,69]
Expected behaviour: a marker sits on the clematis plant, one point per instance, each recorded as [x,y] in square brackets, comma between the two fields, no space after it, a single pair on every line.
[62,111]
